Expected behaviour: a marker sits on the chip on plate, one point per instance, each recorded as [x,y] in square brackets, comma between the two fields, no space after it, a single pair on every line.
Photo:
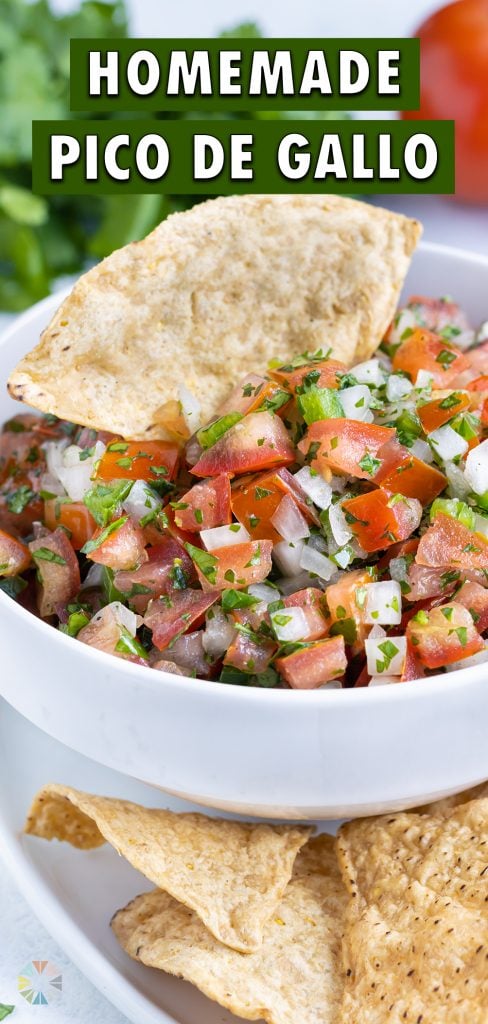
[448,803]
[230,873]
[294,978]
[211,295]
[416,931]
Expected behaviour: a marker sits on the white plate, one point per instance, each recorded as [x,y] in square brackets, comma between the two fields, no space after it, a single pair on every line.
[75,893]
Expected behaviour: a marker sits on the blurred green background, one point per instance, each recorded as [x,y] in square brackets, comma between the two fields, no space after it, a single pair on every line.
[44,238]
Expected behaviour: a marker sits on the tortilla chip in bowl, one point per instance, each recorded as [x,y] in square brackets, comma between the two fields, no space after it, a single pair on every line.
[213,294]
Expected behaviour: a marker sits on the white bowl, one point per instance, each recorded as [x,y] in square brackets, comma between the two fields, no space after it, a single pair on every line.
[284,753]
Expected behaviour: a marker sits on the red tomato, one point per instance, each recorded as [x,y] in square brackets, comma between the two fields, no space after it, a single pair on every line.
[478,358]
[437,314]
[346,600]
[443,635]
[15,557]
[139,460]
[381,520]
[254,393]
[58,571]
[167,616]
[453,61]
[427,582]
[258,441]
[168,566]
[104,632]
[329,373]
[314,665]
[312,603]
[412,668]
[343,444]
[448,543]
[74,516]
[403,473]
[237,565]
[247,655]
[423,350]
[400,550]
[255,501]
[124,548]
[479,384]
[208,505]
[434,414]
[475,599]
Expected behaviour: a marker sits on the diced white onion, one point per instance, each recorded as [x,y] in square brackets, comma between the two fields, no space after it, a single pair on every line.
[74,473]
[376,657]
[122,615]
[355,401]
[482,332]
[376,632]
[224,536]
[141,500]
[52,485]
[404,321]
[338,524]
[447,443]
[287,557]
[398,569]
[289,521]
[218,633]
[397,387]
[369,372]
[383,602]
[54,455]
[475,659]
[94,577]
[424,380]
[476,469]
[314,561]
[190,408]
[314,485]
[458,485]
[263,592]
[422,450]
[296,625]
[344,556]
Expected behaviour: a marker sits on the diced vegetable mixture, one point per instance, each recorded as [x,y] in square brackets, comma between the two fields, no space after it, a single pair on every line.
[328,528]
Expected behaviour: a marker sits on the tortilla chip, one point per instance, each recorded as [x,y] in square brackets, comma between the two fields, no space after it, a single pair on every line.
[294,978]
[211,295]
[448,803]
[230,873]
[416,933]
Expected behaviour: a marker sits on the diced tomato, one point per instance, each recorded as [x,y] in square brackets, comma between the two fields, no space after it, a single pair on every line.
[254,393]
[58,571]
[437,314]
[444,634]
[346,603]
[15,557]
[449,543]
[423,350]
[139,460]
[475,599]
[314,665]
[434,414]
[258,441]
[170,615]
[342,444]
[479,384]
[412,668]
[237,565]
[247,655]
[168,567]
[104,632]
[208,505]
[403,473]
[400,550]
[254,502]
[124,548]
[74,516]
[325,374]
[379,520]
[484,414]
[312,603]
[478,358]
[425,582]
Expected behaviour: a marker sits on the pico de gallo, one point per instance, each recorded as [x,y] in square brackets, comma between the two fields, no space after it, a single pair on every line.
[328,528]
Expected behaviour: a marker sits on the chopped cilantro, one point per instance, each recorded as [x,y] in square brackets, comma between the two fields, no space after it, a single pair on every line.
[103,500]
[237,599]
[18,500]
[207,436]
[369,464]
[46,555]
[75,622]
[129,644]
[96,542]
[205,561]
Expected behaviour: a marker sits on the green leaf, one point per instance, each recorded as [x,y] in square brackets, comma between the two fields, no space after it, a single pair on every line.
[18,500]
[237,599]
[5,1010]
[123,222]
[92,545]
[207,436]
[103,500]
[22,206]
[205,561]
[46,555]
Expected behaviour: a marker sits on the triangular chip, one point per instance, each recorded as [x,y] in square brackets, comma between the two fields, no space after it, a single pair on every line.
[416,935]
[230,873]
[294,978]
[211,295]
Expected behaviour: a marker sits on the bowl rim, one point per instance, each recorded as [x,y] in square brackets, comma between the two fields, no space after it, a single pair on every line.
[153,680]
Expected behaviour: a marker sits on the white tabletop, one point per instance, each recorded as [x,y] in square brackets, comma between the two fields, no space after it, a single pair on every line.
[22,937]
